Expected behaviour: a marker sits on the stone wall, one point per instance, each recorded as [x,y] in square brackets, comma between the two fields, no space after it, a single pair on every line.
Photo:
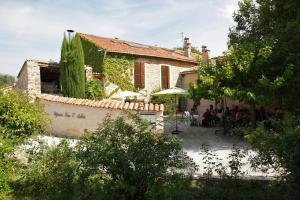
[29,78]
[153,73]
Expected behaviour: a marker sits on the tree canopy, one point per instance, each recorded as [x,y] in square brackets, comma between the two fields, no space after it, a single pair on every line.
[262,64]
[6,80]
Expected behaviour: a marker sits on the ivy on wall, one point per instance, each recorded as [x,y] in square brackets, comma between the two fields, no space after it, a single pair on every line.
[119,71]
[92,55]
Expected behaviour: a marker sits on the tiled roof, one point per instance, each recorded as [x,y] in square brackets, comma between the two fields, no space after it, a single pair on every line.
[133,48]
[109,104]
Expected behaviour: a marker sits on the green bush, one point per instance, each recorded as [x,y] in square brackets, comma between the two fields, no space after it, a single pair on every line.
[20,116]
[131,159]
[19,119]
[278,144]
[94,90]
[50,174]
[120,160]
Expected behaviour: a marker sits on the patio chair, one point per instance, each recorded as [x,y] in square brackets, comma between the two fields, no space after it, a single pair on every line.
[187,118]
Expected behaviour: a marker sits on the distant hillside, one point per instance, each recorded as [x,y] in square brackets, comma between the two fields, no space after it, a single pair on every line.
[6,80]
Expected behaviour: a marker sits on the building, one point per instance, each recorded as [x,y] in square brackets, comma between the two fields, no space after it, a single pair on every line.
[119,64]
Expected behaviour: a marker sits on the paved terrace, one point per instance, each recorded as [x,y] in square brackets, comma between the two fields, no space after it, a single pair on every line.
[193,137]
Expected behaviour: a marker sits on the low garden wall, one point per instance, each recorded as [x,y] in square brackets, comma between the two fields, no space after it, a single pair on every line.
[72,117]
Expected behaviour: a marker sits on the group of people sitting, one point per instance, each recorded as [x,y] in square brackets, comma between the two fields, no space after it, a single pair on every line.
[213,116]
[223,116]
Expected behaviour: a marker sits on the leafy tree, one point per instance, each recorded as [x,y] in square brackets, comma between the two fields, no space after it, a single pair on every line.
[256,69]
[94,90]
[72,71]
[278,144]
[19,119]
[6,80]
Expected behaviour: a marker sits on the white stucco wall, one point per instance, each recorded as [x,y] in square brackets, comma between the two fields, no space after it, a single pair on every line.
[72,120]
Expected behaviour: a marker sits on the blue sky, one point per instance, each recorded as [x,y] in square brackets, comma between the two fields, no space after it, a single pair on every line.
[33,29]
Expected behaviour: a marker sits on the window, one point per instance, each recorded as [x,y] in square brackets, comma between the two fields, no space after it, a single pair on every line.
[165,77]
[139,75]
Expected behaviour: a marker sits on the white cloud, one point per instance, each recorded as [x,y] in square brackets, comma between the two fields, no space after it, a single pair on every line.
[228,9]
[34,28]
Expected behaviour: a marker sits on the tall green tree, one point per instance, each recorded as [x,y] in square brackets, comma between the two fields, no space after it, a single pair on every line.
[72,71]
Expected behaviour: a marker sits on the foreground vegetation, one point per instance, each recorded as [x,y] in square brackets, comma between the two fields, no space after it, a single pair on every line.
[120,160]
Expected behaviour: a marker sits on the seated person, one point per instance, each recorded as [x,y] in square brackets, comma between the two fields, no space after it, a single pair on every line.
[220,116]
[206,118]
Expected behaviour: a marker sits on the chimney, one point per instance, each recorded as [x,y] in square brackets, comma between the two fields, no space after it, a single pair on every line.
[204,53]
[187,47]
[70,34]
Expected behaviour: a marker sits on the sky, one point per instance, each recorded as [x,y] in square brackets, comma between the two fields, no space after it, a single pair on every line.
[33,29]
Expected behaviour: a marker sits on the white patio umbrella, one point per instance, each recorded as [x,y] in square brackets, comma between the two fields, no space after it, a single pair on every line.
[125,94]
[176,92]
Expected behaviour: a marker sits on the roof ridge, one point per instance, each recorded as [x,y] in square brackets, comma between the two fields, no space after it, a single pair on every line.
[122,40]
[135,48]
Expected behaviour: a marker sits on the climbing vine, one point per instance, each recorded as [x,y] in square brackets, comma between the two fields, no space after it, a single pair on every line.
[119,71]
[92,55]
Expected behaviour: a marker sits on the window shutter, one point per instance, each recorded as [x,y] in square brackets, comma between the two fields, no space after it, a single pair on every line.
[137,75]
[168,76]
[165,77]
[142,75]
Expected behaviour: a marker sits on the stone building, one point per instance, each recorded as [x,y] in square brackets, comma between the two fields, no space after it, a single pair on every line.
[150,67]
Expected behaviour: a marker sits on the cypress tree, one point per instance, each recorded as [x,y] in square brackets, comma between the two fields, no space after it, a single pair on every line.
[72,71]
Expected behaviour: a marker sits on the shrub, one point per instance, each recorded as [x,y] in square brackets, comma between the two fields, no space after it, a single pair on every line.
[19,116]
[278,144]
[131,160]
[119,160]
[94,90]
[50,174]
[19,119]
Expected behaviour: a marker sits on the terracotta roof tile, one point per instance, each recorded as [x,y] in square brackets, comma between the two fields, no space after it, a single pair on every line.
[126,106]
[130,107]
[133,48]
[151,107]
[156,107]
[146,107]
[113,104]
[161,106]
[136,106]
[121,105]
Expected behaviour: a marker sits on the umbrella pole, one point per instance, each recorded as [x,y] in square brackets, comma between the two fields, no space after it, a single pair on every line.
[176,125]
[176,113]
